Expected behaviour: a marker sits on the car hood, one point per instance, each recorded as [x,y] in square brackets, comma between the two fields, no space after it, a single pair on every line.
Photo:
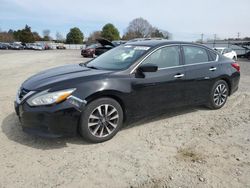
[105,42]
[60,76]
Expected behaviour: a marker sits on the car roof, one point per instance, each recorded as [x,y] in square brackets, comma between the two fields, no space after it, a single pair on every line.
[154,43]
[220,48]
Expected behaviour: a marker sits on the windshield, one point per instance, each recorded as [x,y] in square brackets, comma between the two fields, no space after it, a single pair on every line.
[118,58]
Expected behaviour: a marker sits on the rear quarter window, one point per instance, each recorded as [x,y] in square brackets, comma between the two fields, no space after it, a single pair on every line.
[212,56]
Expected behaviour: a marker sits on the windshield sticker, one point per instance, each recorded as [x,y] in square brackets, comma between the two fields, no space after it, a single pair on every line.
[141,48]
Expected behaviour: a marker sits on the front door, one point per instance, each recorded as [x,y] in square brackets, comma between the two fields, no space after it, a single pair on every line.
[161,89]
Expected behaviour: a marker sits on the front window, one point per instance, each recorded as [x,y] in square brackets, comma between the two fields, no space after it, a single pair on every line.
[165,57]
[118,58]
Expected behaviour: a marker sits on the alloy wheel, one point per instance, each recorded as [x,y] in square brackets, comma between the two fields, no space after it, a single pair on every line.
[220,94]
[103,120]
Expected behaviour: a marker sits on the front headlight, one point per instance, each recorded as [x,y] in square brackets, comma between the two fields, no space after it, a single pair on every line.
[47,98]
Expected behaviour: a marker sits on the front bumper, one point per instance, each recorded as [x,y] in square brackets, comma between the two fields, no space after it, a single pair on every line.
[49,121]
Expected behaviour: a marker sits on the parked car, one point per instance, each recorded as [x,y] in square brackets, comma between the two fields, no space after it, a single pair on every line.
[106,45]
[99,48]
[246,55]
[28,46]
[227,52]
[38,46]
[4,46]
[48,47]
[89,51]
[16,46]
[60,47]
[137,79]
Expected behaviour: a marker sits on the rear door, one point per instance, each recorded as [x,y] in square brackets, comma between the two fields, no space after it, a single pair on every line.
[201,69]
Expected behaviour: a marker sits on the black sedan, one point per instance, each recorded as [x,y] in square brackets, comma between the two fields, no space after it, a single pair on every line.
[133,80]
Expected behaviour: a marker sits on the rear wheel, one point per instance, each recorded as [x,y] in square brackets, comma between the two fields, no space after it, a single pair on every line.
[101,120]
[218,94]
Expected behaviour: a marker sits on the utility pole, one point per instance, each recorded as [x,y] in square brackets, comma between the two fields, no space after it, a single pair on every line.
[238,35]
[215,36]
[202,36]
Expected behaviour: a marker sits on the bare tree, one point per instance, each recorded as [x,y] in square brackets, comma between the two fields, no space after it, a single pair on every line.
[46,34]
[6,37]
[139,27]
[93,36]
[59,37]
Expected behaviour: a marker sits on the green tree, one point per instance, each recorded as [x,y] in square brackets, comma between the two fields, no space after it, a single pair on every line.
[75,36]
[17,34]
[36,36]
[26,36]
[110,32]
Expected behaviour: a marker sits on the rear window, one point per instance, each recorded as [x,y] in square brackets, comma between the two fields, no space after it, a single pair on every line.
[195,54]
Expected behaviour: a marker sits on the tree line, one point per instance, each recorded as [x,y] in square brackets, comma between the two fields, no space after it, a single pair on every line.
[137,28]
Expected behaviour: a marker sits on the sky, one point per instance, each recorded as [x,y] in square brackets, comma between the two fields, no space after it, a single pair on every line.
[185,19]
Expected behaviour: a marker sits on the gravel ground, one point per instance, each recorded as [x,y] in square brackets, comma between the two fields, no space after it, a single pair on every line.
[191,147]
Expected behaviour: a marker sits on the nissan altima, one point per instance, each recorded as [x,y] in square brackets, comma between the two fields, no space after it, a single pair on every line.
[136,79]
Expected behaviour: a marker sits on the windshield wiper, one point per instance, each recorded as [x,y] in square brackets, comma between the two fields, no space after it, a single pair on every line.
[91,67]
[85,65]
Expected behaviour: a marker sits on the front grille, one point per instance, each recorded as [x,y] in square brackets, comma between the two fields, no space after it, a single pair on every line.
[23,92]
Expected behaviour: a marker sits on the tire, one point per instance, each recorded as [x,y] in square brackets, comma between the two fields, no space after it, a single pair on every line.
[234,58]
[101,120]
[218,95]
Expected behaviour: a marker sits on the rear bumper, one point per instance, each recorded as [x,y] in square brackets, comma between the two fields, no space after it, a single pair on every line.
[49,121]
[235,80]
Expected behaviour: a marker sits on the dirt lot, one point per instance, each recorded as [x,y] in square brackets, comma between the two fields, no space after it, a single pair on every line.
[191,147]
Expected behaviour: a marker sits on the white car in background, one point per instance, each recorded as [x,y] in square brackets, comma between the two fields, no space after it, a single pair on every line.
[228,52]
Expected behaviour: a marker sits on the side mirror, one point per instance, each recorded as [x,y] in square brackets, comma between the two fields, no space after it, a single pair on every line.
[148,68]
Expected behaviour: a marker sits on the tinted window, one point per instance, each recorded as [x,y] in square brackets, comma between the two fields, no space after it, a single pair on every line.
[165,57]
[195,54]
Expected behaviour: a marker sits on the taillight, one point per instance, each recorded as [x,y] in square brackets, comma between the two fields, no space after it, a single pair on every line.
[236,66]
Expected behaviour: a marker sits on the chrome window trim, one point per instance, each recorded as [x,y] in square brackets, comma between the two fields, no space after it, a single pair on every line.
[216,60]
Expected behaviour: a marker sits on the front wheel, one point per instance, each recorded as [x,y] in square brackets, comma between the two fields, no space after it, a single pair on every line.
[218,95]
[101,120]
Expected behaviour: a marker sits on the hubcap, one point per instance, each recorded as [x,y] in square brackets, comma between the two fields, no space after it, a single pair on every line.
[220,94]
[103,120]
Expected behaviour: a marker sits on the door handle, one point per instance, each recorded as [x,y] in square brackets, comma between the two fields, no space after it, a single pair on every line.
[212,68]
[179,75]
